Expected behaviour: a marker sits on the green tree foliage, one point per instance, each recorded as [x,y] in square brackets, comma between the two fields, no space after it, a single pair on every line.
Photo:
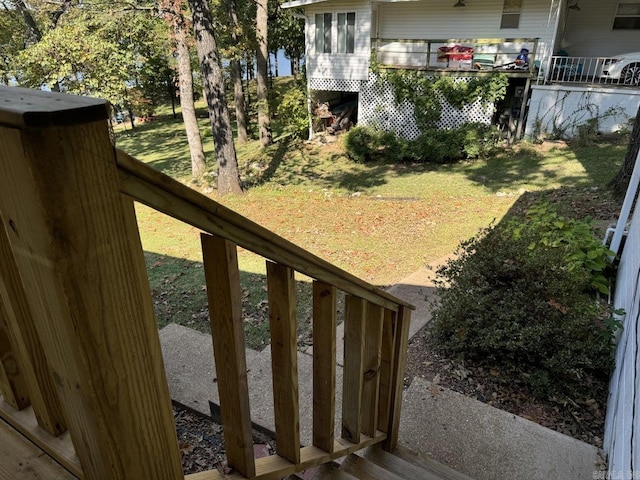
[120,57]
[286,32]
[13,37]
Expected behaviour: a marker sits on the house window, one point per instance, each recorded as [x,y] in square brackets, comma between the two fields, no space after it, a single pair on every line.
[627,17]
[511,14]
[323,32]
[346,32]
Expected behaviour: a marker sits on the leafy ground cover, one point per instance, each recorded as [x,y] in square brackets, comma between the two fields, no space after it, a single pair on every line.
[379,221]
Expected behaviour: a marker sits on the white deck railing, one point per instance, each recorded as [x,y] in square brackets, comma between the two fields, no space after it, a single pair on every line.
[563,69]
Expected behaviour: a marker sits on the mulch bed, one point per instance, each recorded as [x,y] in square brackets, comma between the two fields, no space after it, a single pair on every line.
[201,442]
[581,419]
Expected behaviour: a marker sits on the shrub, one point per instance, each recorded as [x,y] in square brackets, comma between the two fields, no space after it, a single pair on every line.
[366,144]
[520,297]
[471,140]
[293,113]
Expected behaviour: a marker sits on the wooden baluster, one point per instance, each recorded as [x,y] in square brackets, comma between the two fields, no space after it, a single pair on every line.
[284,360]
[227,328]
[386,368]
[371,377]
[12,380]
[324,365]
[401,341]
[355,310]
[32,377]
[77,248]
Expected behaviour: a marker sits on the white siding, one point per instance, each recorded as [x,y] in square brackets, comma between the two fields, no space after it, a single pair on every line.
[555,109]
[622,425]
[589,32]
[479,19]
[425,19]
[347,66]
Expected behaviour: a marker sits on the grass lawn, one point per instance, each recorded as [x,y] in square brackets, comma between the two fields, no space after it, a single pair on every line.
[378,221]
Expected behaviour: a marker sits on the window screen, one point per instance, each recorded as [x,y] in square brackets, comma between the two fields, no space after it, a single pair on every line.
[323,32]
[511,14]
[627,17]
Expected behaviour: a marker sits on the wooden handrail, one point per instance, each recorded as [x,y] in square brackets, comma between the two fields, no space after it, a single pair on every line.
[163,193]
[474,41]
[71,237]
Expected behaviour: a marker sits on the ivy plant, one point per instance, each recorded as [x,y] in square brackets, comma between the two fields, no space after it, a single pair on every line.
[427,93]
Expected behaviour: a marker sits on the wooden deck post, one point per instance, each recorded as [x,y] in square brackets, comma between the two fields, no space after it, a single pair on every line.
[77,248]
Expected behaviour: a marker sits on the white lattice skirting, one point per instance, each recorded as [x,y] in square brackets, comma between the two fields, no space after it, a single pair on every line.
[376,106]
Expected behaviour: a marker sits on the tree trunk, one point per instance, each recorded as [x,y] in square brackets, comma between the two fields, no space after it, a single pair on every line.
[261,55]
[198,161]
[620,182]
[227,162]
[171,90]
[275,63]
[236,73]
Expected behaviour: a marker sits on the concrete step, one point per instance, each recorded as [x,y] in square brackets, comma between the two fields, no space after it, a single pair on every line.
[486,443]
[191,375]
[190,366]
[261,394]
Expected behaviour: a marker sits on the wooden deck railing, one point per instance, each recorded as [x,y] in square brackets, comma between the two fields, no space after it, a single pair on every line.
[81,370]
[487,54]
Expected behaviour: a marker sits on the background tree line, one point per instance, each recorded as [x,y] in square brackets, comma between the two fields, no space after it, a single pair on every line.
[140,53]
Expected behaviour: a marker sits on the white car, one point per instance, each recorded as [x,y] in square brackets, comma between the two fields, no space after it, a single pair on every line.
[623,69]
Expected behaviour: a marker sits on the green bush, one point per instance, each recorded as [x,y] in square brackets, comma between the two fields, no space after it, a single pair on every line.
[521,298]
[293,113]
[367,144]
[471,140]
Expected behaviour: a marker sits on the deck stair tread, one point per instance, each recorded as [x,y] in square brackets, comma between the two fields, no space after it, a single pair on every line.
[376,464]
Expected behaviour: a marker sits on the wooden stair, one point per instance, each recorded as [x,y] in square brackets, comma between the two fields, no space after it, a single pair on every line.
[376,464]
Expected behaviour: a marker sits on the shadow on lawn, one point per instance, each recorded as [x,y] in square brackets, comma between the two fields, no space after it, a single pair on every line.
[507,170]
[179,296]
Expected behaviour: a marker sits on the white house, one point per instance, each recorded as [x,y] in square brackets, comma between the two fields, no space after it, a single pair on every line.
[570,44]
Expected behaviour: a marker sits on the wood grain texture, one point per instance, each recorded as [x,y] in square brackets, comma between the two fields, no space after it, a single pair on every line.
[21,333]
[13,385]
[171,197]
[401,341]
[409,464]
[386,368]
[371,376]
[76,245]
[276,467]
[225,307]
[59,448]
[281,293]
[324,364]
[22,107]
[20,459]
[362,468]
[353,370]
